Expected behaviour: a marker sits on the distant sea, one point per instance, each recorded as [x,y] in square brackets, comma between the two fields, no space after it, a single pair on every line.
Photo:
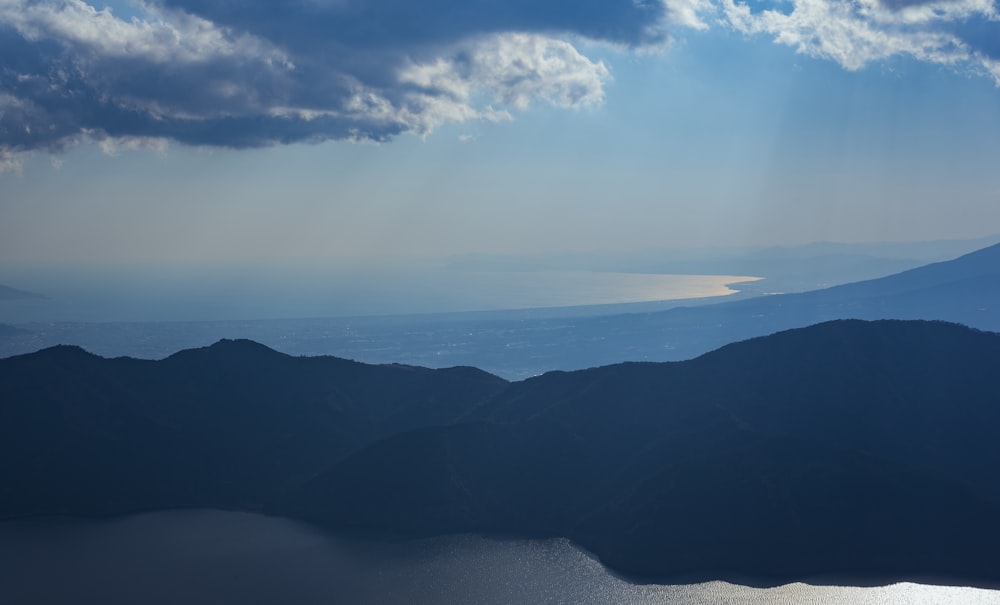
[207,556]
[526,323]
[254,295]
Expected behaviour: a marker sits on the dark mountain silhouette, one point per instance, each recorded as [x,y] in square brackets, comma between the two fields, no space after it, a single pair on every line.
[229,425]
[517,345]
[965,290]
[850,446]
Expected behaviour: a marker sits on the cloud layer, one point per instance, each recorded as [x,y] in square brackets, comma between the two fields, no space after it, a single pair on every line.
[855,33]
[261,72]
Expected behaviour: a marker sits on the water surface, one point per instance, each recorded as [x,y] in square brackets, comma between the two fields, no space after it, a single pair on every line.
[212,295]
[205,556]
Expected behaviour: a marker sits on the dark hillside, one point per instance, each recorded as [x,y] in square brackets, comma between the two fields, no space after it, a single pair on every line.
[229,425]
[849,446]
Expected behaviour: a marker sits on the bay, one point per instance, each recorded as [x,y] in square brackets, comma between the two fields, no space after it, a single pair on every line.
[210,556]
[253,294]
[525,330]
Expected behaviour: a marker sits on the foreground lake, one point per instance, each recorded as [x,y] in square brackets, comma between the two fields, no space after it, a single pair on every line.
[207,556]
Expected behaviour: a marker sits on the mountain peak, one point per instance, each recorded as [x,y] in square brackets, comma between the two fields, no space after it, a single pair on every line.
[60,355]
[66,351]
[227,348]
[238,344]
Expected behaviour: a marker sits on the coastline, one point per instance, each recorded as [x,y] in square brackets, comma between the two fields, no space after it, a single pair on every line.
[374,537]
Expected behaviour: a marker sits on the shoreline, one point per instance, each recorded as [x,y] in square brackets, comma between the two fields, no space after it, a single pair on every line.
[372,536]
[444,293]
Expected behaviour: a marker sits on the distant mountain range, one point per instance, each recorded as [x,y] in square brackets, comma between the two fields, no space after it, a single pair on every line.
[849,446]
[965,290]
[517,345]
[787,268]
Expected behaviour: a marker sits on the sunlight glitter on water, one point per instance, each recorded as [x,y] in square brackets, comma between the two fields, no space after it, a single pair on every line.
[222,558]
[128,298]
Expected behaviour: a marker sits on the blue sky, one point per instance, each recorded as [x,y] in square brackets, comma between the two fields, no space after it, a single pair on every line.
[182,132]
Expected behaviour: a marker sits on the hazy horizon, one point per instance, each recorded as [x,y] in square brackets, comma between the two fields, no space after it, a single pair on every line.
[280,289]
[177,133]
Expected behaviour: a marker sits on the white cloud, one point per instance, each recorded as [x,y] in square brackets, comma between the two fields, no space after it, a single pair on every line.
[857,32]
[513,70]
[162,37]
[519,68]
[689,13]
[114,145]
[925,12]
[993,68]
[207,78]
[10,162]
[265,72]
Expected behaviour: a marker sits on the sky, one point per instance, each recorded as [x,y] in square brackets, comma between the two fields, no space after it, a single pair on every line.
[181,133]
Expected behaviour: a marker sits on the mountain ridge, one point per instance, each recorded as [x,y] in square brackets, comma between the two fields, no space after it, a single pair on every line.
[845,447]
[963,290]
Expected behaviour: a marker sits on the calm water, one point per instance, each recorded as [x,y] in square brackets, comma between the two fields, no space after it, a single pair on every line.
[379,291]
[539,336]
[201,556]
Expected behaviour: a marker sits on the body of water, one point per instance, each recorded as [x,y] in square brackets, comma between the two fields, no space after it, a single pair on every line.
[539,321]
[213,295]
[206,556]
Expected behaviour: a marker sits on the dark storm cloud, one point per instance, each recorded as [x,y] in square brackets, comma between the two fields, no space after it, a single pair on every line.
[265,72]
[51,95]
[405,24]
[259,73]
